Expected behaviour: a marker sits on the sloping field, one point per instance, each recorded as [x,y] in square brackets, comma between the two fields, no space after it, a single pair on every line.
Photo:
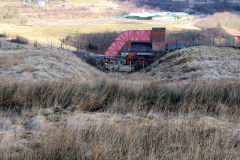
[29,63]
[227,20]
[197,63]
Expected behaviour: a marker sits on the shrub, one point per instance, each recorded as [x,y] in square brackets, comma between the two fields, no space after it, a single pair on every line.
[20,40]
[2,35]
[96,43]
[92,47]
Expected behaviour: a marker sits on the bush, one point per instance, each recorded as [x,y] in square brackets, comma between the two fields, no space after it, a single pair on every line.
[200,37]
[3,35]
[97,43]
[92,47]
[20,40]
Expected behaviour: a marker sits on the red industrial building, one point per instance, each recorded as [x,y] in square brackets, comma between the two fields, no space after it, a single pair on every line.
[237,36]
[142,44]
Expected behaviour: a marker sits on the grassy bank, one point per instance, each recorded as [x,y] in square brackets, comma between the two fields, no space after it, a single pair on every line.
[119,120]
[131,137]
[114,96]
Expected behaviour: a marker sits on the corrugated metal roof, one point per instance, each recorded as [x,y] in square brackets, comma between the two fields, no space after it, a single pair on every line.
[236,34]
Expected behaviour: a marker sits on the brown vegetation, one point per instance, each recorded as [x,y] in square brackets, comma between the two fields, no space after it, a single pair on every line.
[159,120]
[225,19]
[106,96]
[8,61]
[27,62]
[20,40]
[124,117]
[210,36]
[202,62]
[95,43]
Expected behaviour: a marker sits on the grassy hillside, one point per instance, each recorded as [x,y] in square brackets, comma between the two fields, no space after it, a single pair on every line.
[28,63]
[52,23]
[227,20]
[55,106]
[197,63]
[193,6]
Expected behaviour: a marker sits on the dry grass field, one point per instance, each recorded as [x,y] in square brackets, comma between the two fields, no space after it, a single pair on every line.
[54,106]
[107,120]
[50,24]
[227,20]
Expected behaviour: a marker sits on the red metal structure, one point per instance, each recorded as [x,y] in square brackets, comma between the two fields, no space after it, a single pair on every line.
[127,36]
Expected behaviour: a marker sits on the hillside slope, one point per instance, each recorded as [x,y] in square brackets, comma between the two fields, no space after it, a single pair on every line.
[29,63]
[209,6]
[197,63]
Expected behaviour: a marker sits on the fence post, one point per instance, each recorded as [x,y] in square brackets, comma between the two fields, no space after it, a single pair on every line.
[193,40]
[233,41]
[130,65]
[35,44]
[213,41]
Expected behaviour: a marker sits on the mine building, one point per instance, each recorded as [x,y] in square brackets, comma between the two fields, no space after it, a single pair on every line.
[143,45]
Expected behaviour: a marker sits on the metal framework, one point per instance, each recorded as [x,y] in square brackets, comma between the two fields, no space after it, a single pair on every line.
[126,36]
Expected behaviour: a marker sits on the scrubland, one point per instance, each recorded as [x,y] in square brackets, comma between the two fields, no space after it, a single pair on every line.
[78,112]
[117,120]
[54,105]
[227,20]
[26,62]
[201,62]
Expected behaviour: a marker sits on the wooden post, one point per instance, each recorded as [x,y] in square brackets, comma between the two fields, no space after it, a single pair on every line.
[193,40]
[233,41]
[113,65]
[35,44]
[130,65]
[213,41]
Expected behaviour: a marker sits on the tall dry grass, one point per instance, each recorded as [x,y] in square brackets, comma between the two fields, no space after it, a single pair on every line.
[114,96]
[130,137]
[159,120]
[7,61]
